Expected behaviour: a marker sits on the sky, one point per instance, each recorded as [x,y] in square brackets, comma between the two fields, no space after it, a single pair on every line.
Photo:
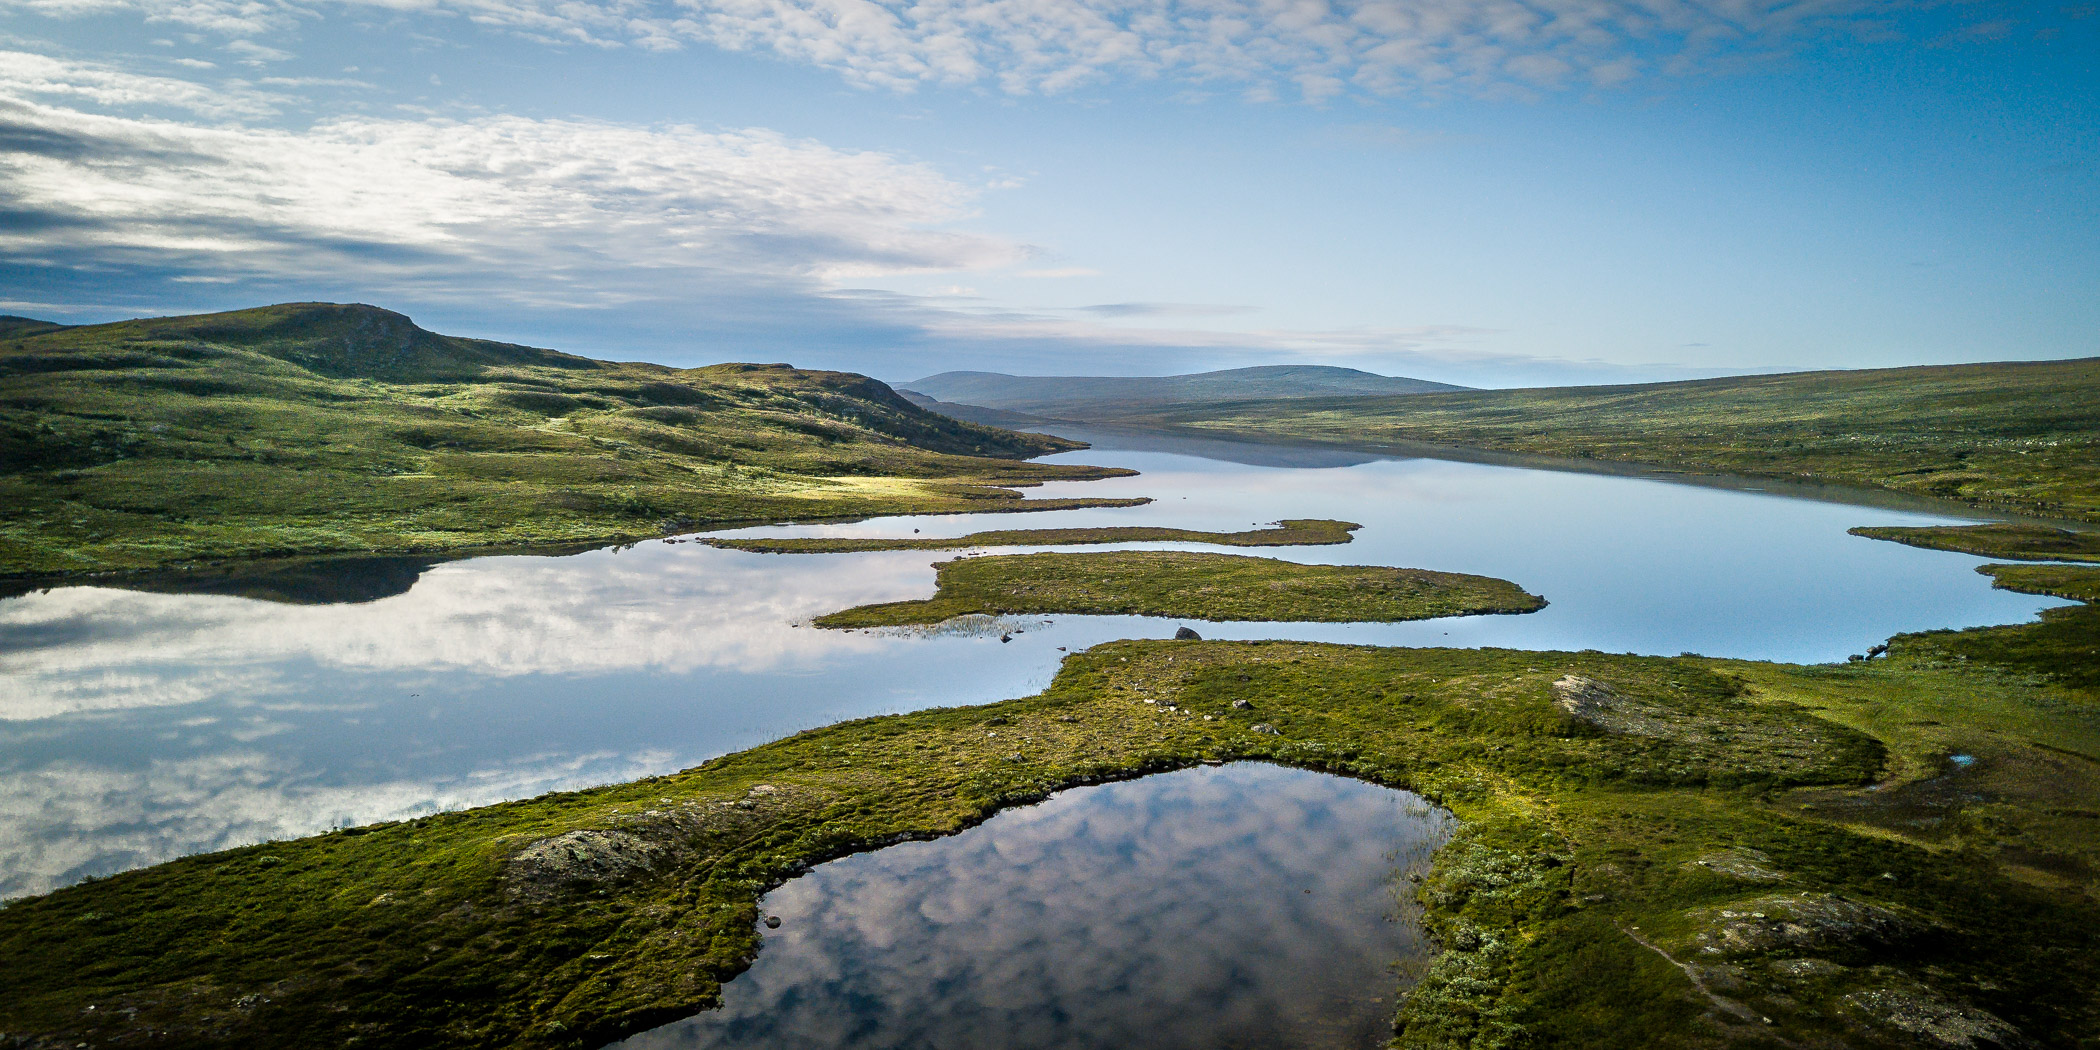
[1485,192]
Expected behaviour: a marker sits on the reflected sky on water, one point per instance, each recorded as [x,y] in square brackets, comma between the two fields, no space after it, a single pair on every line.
[137,726]
[1245,906]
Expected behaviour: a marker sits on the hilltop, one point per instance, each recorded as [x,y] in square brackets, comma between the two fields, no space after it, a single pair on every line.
[314,428]
[1094,398]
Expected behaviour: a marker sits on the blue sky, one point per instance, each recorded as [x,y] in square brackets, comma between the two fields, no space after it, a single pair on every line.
[1477,191]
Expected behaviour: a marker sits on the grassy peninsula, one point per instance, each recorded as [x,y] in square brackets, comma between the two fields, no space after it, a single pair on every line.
[2023,436]
[1668,852]
[316,428]
[2017,540]
[1290,532]
[1191,586]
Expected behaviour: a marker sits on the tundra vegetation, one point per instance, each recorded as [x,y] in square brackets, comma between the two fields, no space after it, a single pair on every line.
[1671,852]
[2023,541]
[1190,586]
[1290,532]
[2021,436]
[1679,851]
[314,428]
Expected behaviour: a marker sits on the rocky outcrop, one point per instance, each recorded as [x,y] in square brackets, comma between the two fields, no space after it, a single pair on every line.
[1747,864]
[1935,1020]
[589,855]
[1796,922]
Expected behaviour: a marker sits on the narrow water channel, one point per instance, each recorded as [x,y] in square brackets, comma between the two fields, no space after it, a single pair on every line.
[1246,906]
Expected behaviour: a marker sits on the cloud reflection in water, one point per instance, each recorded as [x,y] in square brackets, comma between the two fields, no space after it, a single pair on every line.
[1165,912]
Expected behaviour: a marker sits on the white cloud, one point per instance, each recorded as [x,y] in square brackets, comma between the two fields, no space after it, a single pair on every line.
[25,75]
[565,211]
[1312,49]
[71,818]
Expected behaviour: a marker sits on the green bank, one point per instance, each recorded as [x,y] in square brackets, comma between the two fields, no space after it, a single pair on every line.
[2005,539]
[315,428]
[2019,436]
[1291,532]
[1191,586]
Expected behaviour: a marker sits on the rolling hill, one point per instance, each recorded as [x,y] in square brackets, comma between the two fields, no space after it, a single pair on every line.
[2020,436]
[315,428]
[1099,398]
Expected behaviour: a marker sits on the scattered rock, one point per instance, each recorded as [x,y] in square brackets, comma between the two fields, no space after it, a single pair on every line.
[1807,969]
[1920,1011]
[1006,638]
[772,922]
[1267,729]
[1183,634]
[1747,864]
[1242,705]
[1801,921]
[1584,698]
[589,855]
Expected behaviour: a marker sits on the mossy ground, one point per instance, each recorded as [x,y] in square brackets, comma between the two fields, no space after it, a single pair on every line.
[312,429]
[1288,533]
[1191,586]
[1576,905]
[2004,539]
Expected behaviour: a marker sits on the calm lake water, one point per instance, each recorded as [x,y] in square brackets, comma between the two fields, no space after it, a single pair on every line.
[135,727]
[1246,906]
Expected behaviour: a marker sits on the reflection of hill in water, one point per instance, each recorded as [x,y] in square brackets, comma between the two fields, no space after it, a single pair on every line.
[305,581]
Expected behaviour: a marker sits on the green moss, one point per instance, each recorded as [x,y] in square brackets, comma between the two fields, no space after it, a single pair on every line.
[2058,581]
[311,429]
[1191,586]
[1287,533]
[1997,540]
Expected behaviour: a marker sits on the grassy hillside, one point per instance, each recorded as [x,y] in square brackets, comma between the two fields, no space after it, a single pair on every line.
[2021,436]
[312,428]
[1095,397]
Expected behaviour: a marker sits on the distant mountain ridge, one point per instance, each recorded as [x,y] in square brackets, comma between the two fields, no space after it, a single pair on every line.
[1093,397]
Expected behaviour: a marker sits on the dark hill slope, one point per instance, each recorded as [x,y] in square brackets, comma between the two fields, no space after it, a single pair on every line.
[1108,397]
[2016,435]
[312,427]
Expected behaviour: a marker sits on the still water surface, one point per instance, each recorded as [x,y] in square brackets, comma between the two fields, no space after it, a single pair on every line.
[1246,907]
[135,727]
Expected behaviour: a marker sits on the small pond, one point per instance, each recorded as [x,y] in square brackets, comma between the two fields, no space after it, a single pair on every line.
[1244,906]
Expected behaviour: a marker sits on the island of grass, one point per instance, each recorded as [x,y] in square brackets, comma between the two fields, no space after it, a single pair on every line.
[1191,586]
[1290,532]
[315,428]
[2018,540]
[1665,852]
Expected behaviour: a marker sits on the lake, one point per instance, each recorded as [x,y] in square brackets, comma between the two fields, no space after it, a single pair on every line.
[136,727]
